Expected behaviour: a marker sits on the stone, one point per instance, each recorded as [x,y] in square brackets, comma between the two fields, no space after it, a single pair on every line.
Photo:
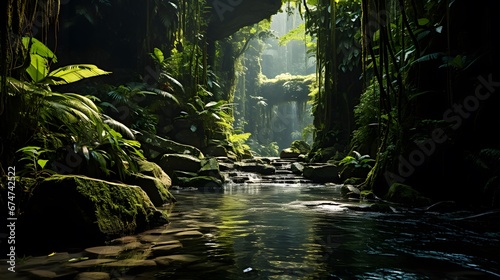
[188,137]
[176,162]
[155,188]
[156,238]
[297,168]
[210,167]
[300,146]
[105,250]
[289,153]
[90,263]
[260,168]
[43,274]
[131,263]
[155,146]
[216,151]
[74,211]
[223,166]
[93,276]
[189,233]
[350,191]
[323,173]
[404,194]
[180,258]
[165,249]
[201,182]
[123,240]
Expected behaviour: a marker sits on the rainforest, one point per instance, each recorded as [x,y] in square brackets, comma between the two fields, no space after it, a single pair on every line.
[239,139]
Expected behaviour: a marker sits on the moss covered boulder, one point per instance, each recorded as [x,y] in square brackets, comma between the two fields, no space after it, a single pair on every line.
[78,211]
[177,162]
[404,194]
[154,181]
[155,146]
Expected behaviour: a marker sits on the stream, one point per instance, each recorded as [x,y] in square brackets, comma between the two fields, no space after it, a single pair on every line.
[303,231]
[297,230]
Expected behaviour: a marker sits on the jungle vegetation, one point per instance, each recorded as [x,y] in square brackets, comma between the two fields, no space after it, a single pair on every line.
[394,79]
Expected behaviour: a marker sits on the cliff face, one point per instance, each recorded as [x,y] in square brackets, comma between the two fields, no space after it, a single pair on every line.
[228,16]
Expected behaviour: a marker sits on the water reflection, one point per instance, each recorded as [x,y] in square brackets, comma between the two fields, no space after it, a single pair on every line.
[304,232]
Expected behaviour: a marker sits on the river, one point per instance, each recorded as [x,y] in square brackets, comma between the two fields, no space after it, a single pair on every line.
[303,231]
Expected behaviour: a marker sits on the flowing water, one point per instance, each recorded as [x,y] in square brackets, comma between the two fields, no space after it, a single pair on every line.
[303,231]
[288,231]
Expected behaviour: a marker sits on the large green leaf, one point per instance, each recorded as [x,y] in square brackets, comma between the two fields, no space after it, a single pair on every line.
[73,73]
[38,68]
[39,48]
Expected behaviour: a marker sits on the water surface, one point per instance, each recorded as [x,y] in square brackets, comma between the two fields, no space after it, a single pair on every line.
[302,231]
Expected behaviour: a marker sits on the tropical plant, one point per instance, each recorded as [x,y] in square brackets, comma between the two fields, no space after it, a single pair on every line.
[357,160]
[41,57]
[69,120]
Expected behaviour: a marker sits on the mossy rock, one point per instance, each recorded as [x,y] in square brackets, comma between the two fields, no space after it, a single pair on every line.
[300,146]
[201,182]
[323,154]
[404,194]
[289,153]
[73,211]
[177,162]
[210,167]
[154,181]
[354,181]
[155,146]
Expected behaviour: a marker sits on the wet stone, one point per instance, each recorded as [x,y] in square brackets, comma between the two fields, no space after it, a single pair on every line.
[105,250]
[179,258]
[133,245]
[170,242]
[123,240]
[49,274]
[156,238]
[90,263]
[189,233]
[165,249]
[131,263]
[92,276]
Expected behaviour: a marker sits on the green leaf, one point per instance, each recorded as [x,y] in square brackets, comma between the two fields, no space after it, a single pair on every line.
[38,68]
[39,48]
[72,73]
[42,162]
[211,104]
[423,21]
[158,54]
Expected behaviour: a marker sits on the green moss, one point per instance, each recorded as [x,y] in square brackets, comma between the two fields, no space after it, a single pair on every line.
[119,208]
[401,193]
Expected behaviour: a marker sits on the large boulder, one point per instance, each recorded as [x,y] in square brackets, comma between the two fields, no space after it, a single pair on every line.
[323,173]
[155,146]
[176,162]
[70,211]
